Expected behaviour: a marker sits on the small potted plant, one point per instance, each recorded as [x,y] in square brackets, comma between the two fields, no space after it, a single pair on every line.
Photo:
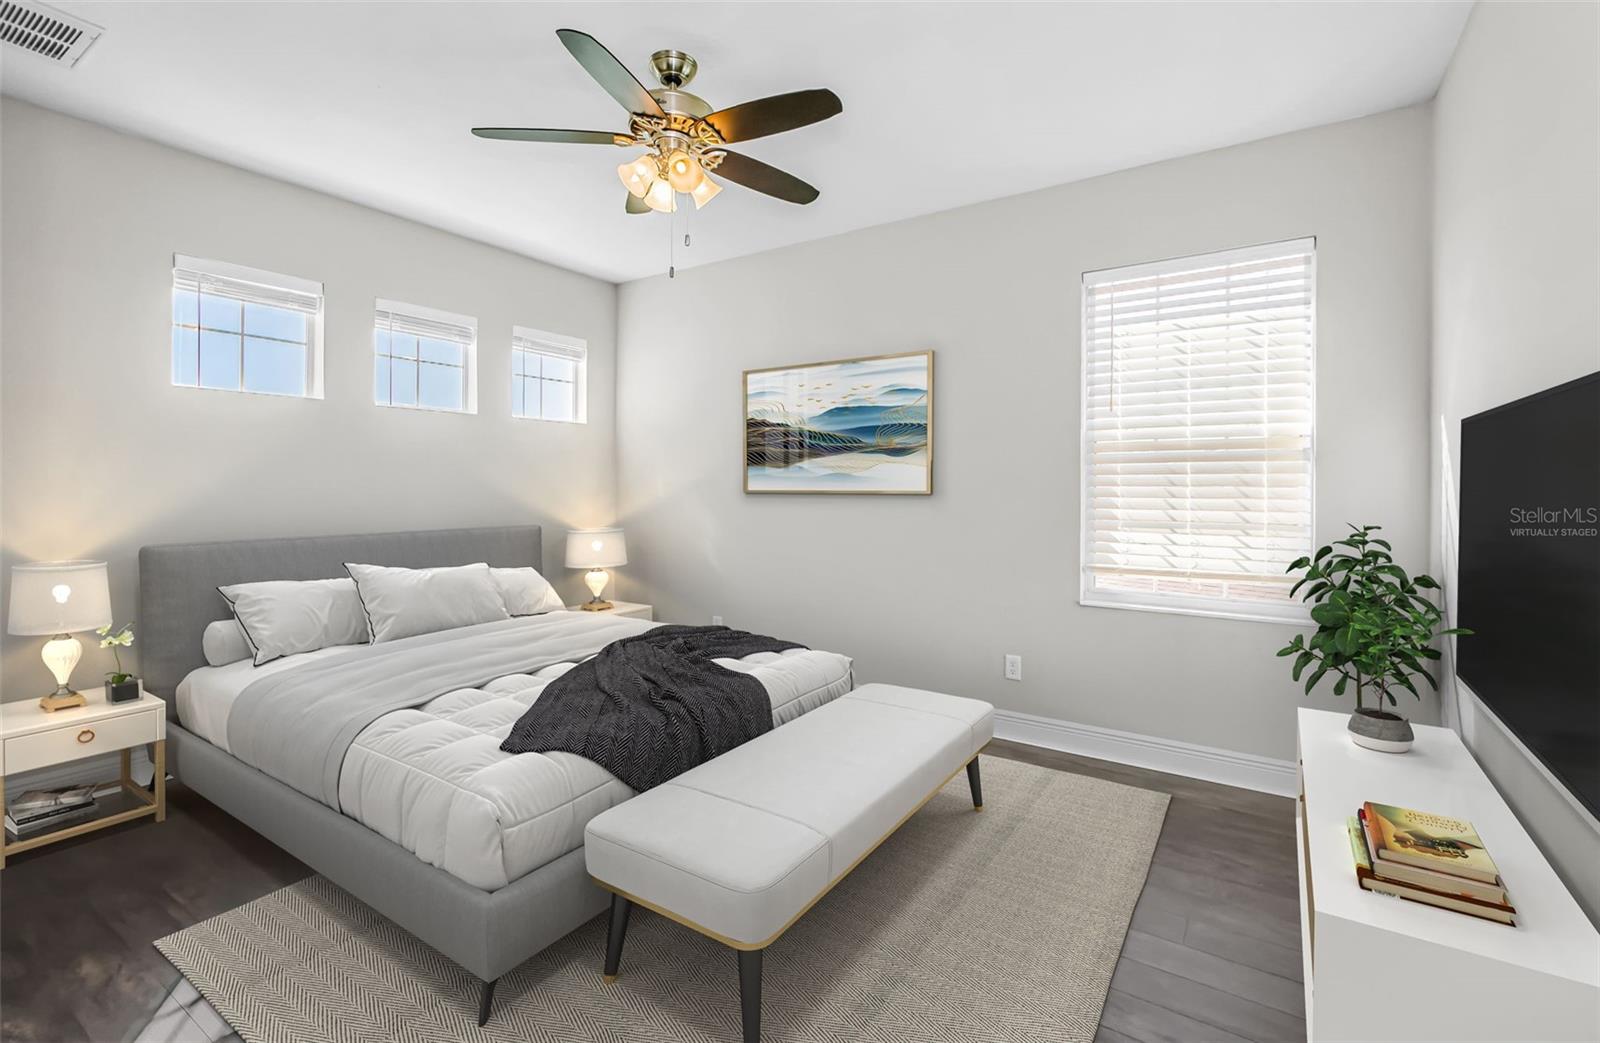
[1375,629]
[121,686]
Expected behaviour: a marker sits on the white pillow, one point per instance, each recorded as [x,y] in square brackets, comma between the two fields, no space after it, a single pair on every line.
[283,617]
[405,602]
[525,592]
[225,642]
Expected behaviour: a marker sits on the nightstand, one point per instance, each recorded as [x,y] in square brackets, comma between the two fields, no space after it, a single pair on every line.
[31,738]
[630,609]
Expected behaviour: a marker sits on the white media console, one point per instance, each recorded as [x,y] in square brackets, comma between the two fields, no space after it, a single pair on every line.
[1381,968]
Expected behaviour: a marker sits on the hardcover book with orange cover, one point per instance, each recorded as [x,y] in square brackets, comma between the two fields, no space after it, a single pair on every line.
[1437,842]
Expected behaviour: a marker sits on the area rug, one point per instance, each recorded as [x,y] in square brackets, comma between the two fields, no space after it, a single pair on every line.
[1003,926]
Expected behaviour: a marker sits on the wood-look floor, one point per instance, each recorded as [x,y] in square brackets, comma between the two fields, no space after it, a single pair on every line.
[1213,953]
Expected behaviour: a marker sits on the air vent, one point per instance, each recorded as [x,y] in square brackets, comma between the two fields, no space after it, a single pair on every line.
[45,31]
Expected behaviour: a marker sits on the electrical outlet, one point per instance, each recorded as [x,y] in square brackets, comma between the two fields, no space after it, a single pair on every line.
[716,621]
[1013,668]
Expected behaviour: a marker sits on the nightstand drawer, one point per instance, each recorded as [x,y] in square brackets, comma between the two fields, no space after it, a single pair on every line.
[73,742]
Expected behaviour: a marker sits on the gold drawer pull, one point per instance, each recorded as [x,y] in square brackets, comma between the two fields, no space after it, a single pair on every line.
[87,735]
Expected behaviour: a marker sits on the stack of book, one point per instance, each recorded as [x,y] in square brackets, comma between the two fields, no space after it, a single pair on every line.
[1433,859]
[44,811]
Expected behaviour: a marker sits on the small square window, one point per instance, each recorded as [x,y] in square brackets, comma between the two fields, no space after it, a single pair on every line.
[548,376]
[243,329]
[424,358]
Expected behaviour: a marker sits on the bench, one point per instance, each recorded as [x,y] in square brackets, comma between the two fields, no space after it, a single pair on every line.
[742,846]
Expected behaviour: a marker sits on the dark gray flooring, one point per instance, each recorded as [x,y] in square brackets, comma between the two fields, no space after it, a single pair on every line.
[1213,953]
[1214,950]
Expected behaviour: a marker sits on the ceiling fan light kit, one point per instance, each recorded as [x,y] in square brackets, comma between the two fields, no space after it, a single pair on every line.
[684,137]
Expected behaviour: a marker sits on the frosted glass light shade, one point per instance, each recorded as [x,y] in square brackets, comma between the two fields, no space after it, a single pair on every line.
[59,597]
[596,548]
[683,171]
[636,175]
[661,198]
[705,192]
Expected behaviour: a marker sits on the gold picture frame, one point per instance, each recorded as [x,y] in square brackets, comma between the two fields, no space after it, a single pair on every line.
[859,426]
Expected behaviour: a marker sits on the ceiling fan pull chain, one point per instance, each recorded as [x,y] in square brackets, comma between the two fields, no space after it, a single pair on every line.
[672,240]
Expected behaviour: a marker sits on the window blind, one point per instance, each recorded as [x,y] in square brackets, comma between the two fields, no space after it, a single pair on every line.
[548,344]
[426,322]
[1198,429]
[250,285]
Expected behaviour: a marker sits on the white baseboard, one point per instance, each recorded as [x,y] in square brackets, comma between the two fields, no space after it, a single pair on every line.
[101,768]
[1231,768]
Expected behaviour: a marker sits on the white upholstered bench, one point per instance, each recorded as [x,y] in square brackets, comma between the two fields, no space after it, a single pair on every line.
[740,847]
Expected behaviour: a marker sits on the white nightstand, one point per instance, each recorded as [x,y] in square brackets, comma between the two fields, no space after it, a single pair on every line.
[31,738]
[630,609]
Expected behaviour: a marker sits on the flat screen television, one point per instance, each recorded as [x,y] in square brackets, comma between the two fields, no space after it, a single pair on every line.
[1529,575]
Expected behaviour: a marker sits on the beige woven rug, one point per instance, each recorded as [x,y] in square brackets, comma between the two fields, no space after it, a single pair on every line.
[1004,925]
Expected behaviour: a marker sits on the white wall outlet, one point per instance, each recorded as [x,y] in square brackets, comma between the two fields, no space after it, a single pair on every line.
[1013,668]
[716,621]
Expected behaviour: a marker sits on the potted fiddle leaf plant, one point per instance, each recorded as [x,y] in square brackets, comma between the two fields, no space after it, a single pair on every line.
[1375,631]
[121,686]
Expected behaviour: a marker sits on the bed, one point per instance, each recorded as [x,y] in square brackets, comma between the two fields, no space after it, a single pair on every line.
[474,851]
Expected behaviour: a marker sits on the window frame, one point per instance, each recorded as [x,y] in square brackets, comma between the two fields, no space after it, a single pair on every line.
[469,355]
[525,340]
[227,271]
[1291,610]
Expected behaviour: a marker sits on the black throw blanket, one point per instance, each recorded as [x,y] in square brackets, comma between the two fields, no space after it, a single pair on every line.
[650,707]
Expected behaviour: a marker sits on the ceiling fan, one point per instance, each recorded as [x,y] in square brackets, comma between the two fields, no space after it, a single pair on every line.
[684,137]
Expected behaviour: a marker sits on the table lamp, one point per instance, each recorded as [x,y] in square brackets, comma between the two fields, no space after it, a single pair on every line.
[56,598]
[596,550]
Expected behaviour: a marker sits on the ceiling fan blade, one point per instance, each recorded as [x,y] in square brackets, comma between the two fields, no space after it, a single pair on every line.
[636,205]
[573,137]
[609,73]
[774,115]
[752,173]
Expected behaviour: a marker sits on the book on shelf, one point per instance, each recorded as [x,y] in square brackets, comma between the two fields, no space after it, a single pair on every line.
[1426,841]
[1499,912]
[43,799]
[48,819]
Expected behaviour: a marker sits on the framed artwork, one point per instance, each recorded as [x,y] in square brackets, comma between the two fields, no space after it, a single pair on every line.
[860,425]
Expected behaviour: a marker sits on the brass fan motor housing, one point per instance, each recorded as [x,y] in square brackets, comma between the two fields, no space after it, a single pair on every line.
[673,68]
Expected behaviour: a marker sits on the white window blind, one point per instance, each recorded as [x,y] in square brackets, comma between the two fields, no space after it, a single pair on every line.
[548,373]
[407,319]
[424,358]
[244,329]
[1198,431]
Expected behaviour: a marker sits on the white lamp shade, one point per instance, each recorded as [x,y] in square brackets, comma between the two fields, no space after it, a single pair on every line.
[596,548]
[59,597]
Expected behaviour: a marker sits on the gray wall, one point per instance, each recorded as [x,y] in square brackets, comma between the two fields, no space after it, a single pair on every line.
[99,454]
[1516,267]
[933,591]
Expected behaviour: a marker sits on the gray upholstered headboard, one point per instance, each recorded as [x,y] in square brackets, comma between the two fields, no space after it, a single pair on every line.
[178,581]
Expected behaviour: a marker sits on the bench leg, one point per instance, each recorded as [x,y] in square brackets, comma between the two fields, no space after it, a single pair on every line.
[750,993]
[486,1002]
[620,907]
[976,782]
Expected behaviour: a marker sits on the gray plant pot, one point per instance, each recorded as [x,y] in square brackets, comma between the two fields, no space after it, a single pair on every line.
[1381,730]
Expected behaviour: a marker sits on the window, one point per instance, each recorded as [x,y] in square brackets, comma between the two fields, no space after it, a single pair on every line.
[424,358]
[242,329]
[547,376]
[1197,431]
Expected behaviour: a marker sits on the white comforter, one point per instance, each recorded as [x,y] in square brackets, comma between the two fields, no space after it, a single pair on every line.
[433,779]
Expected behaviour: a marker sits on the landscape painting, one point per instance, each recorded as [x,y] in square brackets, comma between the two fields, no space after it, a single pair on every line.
[848,426]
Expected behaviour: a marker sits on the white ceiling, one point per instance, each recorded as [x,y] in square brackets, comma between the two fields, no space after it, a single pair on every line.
[945,104]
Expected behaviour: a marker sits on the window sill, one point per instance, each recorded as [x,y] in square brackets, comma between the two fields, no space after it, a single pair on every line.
[426,409]
[307,397]
[1294,615]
